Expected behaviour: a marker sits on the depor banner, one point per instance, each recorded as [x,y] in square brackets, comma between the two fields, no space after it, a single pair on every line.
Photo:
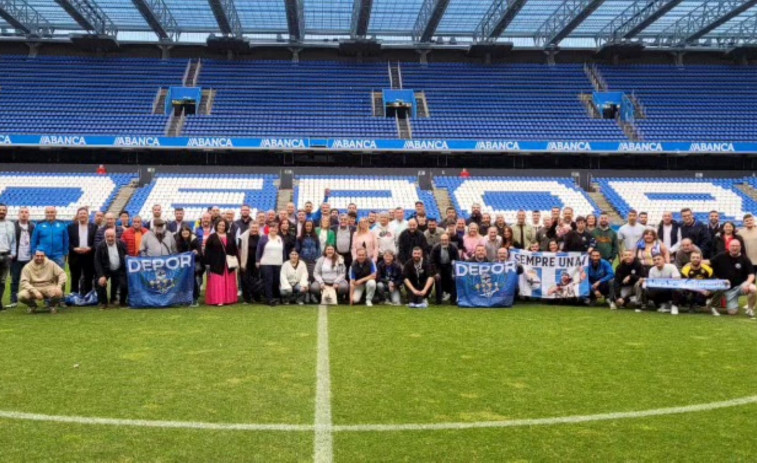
[160,281]
[485,285]
[690,285]
[552,275]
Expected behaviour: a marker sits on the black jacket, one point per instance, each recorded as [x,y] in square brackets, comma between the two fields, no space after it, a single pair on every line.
[718,244]
[102,260]
[673,232]
[31,226]
[73,241]
[436,255]
[699,234]
[573,241]
[407,241]
[635,270]
[215,252]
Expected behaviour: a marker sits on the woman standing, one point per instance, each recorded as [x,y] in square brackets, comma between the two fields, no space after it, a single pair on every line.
[648,247]
[308,246]
[325,234]
[507,238]
[363,238]
[723,238]
[222,280]
[472,240]
[186,241]
[248,248]
[288,235]
[270,258]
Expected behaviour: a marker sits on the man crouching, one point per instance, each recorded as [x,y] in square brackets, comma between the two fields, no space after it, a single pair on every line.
[41,279]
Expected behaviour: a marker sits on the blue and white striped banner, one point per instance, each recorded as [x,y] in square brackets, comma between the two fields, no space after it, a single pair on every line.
[691,285]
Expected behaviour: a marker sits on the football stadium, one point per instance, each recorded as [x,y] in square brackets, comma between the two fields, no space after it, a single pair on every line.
[378,230]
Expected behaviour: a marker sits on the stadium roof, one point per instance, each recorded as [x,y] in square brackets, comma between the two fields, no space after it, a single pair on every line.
[525,23]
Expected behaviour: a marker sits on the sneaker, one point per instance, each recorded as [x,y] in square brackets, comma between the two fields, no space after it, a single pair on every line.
[368,303]
[673,309]
[613,306]
[413,305]
[446,297]
[424,305]
[300,303]
[194,304]
[12,305]
[53,310]
[714,311]
[637,310]
[664,310]
[750,313]
[31,307]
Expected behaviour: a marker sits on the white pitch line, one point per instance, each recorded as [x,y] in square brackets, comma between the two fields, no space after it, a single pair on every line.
[377,427]
[323,446]
[548,421]
[156,423]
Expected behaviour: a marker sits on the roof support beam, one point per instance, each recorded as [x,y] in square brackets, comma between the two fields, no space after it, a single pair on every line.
[23,17]
[429,17]
[89,15]
[295,20]
[569,15]
[361,16]
[634,19]
[743,33]
[702,20]
[499,15]
[226,15]
[159,18]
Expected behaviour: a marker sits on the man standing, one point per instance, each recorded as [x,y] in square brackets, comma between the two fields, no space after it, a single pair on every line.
[475,215]
[81,252]
[601,277]
[51,236]
[7,247]
[110,264]
[159,242]
[420,209]
[545,234]
[24,231]
[419,279]
[669,232]
[578,240]
[410,239]
[343,235]
[157,212]
[492,243]
[697,231]
[132,237]
[735,267]
[245,218]
[433,234]
[749,235]
[523,234]
[450,217]
[362,278]
[442,258]
[683,256]
[175,225]
[399,224]
[110,222]
[630,233]
[42,279]
[123,220]
[606,239]
[535,219]
[385,238]
[714,226]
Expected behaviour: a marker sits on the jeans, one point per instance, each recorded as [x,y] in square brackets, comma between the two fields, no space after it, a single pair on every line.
[294,294]
[384,294]
[117,281]
[16,268]
[270,275]
[5,266]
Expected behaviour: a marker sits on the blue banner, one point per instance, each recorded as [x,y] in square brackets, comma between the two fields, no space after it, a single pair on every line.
[552,275]
[160,281]
[485,285]
[370,144]
[688,284]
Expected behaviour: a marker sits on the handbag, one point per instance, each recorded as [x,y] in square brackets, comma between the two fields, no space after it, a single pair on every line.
[328,296]
[232,262]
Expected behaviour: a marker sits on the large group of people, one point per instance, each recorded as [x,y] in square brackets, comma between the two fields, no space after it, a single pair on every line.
[323,255]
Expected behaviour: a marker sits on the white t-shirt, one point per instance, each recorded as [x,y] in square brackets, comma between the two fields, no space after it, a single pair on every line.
[629,235]
[273,253]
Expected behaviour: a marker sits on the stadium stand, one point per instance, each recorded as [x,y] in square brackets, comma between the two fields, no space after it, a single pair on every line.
[279,98]
[507,195]
[369,193]
[67,192]
[655,196]
[196,192]
[92,96]
[695,103]
[506,101]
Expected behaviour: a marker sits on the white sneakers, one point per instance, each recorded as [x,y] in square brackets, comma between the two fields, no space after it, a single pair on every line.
[613,306]
[714,311]
[673,309]
[368,303]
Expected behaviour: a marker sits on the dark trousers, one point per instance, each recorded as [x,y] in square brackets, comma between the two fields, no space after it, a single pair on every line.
[251,285]
[661,296]
[270,275]
[418,299]
[16,268]
[347,256]
[82,269]
[444,282]
[607,289]
[117,282]
[5,267]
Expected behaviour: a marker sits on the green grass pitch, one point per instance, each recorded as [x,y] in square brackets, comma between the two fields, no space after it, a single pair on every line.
[388,366]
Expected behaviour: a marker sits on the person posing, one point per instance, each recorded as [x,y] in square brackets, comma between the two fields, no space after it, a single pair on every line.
[110,264]
[222,279]
[362,278]
[81,252]
[41,279]
[364,239]
[186,241]
[294,284]
[248,247]
[269,259]
[627,276]
[23,254]
[159,242]
[329,271]
[419,279]
[412,238]
[648,247]
[472,240]
[308,247]
[389,279]
[724,236]
[132,236]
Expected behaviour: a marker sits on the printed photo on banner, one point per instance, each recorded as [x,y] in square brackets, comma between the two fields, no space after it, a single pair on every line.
[160,281]
[485,285]
[552,275]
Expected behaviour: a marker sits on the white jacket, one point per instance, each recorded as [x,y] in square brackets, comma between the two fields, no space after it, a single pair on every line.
[291,277]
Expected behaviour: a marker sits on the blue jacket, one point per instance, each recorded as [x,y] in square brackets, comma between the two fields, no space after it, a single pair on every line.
[51,237]
[602,273]
[309,248]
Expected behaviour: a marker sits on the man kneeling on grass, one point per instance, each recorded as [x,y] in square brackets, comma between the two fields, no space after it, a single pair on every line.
[601,278]
[419,279]
[362,278]
[735,267]
[667,299]
[41,279]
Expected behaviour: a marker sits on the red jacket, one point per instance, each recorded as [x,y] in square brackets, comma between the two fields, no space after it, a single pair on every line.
[130,241]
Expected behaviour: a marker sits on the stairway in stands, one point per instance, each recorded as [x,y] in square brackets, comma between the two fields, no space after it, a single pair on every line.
[175,123]
[443,201]
[600,85]
[747,189]
[123,197]
[595,193]
[404,128]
